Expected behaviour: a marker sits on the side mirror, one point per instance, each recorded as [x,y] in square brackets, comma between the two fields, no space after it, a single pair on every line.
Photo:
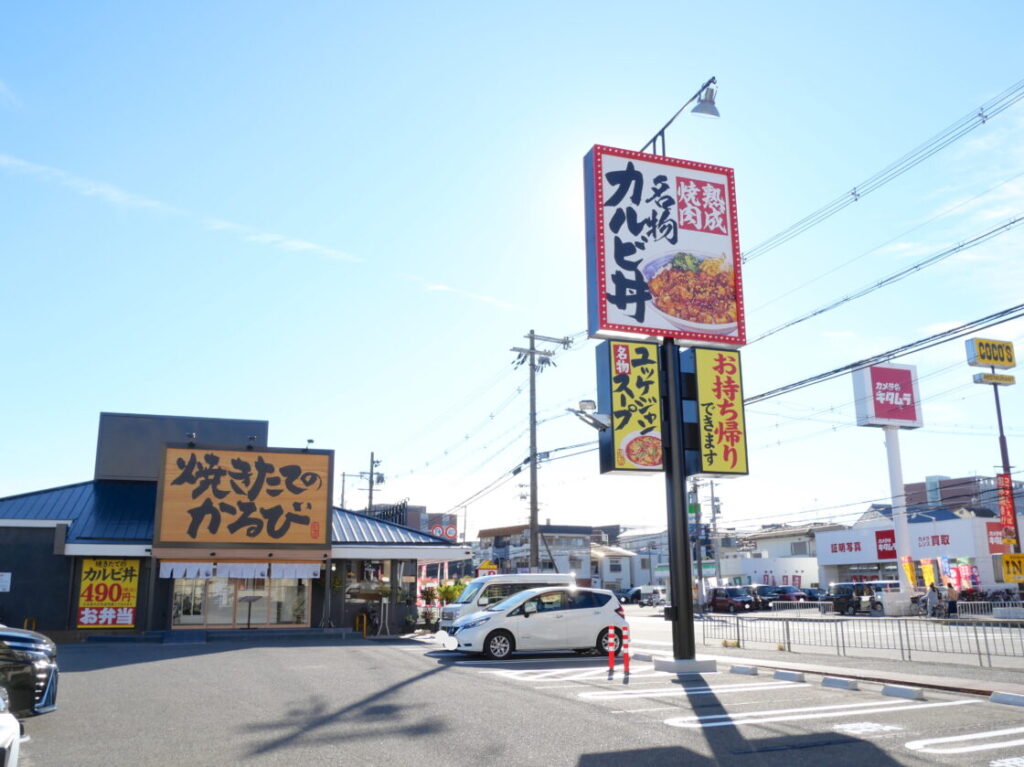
[529,609]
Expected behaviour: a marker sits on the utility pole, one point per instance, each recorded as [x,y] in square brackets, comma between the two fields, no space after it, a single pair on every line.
[714,535]
[698,546]
[538,359]
[373,475]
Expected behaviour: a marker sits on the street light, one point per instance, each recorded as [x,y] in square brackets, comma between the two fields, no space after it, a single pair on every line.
[705,98]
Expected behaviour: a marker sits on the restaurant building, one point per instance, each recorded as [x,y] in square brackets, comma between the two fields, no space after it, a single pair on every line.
[194,523]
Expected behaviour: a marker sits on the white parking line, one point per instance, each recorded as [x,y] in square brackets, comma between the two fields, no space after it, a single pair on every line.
[814,712]
[928,746]
[608,694]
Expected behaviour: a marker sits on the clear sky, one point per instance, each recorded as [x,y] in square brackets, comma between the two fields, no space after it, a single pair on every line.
[340,216]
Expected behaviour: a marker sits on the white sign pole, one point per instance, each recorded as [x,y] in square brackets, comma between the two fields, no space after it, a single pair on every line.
[899,503]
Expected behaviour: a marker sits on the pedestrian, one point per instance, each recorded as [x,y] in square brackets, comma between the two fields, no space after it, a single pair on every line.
[932,600]
[952,595]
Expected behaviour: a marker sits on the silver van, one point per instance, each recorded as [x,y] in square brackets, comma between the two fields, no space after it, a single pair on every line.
[490,589]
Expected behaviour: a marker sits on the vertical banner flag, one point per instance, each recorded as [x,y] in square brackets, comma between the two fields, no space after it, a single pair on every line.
[928,571]
[720,420]
[1007,508]
[629,391]
[908,568]
[107,593]
[663,252]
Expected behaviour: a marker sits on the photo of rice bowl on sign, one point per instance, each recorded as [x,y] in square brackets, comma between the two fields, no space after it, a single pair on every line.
[642,450]
[693,291]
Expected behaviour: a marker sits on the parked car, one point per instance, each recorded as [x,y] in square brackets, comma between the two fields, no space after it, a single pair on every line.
[651,595]
[28,671]
[632,596]
[11,731]
[730,599]
[762,595]
[561,618]
[815,594]
[789,594]
[491,589]
[853,598]
[622,595]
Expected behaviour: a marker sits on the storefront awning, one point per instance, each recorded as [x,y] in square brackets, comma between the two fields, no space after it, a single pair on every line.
[239,569]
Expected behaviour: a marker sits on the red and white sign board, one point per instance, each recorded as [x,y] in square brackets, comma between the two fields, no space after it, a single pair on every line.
[885,544]
[887,395]
[663,250]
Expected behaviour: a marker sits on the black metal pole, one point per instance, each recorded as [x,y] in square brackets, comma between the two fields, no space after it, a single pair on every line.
[1004,453]
[680,611]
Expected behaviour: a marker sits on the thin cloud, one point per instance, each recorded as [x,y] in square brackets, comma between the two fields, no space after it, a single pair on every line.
[440,287]
[7,97]
[116,196]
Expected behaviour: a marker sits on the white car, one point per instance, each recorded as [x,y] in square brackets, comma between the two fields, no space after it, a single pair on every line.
[548,618]
[11,734]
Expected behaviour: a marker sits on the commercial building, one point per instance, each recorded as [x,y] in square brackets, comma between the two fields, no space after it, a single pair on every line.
[963,545]
[194,523]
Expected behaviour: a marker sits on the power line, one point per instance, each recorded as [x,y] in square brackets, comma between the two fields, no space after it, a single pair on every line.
[891,240]
[1005,315]
[897,276]
[960,128]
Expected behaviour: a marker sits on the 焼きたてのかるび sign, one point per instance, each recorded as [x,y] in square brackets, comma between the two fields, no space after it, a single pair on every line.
[244,497]
[107,593]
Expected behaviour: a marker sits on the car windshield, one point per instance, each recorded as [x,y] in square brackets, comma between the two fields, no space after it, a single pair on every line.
[469,593]
[509,602]
[736,592]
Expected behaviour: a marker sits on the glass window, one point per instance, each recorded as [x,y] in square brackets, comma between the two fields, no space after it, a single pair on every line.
[615,566]
[549,601]
[581,600]
[496,592]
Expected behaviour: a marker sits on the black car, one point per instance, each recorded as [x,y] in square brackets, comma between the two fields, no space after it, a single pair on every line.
[762,595]
[28,671]
[815,594]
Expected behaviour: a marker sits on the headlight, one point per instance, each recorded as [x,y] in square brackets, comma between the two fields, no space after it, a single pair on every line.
[474,624]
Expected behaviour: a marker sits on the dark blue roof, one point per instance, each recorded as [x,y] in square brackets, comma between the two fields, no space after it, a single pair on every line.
[112,511]
[929,514]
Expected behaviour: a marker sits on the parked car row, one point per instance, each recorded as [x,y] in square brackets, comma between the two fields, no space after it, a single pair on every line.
[850,598]
[736,599]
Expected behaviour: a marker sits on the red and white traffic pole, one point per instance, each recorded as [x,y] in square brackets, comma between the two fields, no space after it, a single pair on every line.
[611,649]
[625,650]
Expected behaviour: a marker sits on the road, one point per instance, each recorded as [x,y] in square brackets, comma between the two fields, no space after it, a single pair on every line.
[412,703]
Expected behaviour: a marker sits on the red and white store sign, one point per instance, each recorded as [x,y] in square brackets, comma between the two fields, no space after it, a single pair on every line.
[953,539]
[887,395]
[885,544]
[995,538]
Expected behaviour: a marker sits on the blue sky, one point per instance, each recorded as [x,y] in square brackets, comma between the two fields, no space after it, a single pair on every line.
[339,218]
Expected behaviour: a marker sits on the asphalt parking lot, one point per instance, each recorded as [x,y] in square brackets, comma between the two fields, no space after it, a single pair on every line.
[387,703]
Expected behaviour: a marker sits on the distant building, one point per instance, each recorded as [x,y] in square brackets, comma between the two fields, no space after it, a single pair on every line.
[938,491]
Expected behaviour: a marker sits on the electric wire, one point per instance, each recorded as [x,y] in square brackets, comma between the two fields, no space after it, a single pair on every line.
[897,276]
[940,141]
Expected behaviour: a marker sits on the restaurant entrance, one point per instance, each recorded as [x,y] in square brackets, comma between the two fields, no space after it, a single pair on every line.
[240,602]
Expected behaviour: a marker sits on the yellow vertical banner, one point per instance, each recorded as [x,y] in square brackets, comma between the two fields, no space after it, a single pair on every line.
[629,393]
[928,571]
[721,425]
[107,594]
[908,568]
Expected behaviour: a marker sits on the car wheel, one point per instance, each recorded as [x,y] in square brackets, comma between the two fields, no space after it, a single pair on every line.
[498,645]
[604,644]
[732,608]
[877,608]
[851,610]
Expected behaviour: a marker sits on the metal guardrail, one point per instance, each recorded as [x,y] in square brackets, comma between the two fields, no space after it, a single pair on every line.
[799,608]
[982,609]
[941,640]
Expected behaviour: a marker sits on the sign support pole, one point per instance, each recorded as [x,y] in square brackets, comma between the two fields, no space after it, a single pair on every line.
[1004,452]
[899,503]
[680,611]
